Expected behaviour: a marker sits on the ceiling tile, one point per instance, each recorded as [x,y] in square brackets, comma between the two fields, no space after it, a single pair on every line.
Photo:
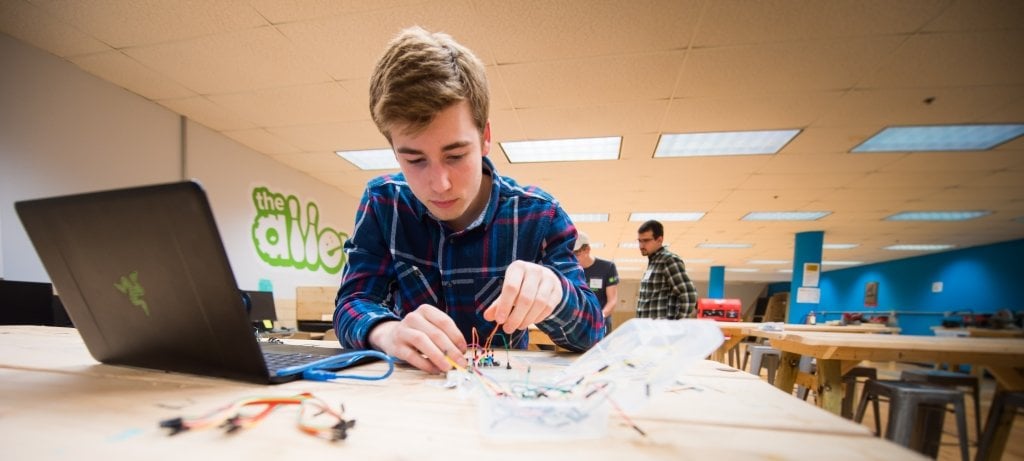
[318,161]
[781,111]
[260,140]
[918,106]
[737,22]
[361,134]
[131,23]
[348,46]
[592,81]
[953,60]
[128,73]
[31,24]
[965,15]
[283,11]
[207,113]
[548,31]
[233,62]
[792,67]
[295,105]
[592,121]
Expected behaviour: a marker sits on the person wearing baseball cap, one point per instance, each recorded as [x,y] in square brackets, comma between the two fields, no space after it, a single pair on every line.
[602,278]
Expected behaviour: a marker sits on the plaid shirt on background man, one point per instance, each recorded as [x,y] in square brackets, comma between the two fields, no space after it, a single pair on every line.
[666,292]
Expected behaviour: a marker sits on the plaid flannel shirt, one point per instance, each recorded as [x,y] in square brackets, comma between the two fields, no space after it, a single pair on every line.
[666,292]
[400,257]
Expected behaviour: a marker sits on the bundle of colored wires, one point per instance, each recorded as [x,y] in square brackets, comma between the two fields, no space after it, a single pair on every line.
[234,417]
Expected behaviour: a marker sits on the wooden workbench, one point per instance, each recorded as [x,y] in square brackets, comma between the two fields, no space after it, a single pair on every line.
[837,353]
[56,402]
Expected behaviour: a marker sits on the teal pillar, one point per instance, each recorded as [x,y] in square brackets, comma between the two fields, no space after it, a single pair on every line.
[716,285]
[804,289]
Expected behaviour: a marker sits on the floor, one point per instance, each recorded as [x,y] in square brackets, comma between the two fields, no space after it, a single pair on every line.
[950,450]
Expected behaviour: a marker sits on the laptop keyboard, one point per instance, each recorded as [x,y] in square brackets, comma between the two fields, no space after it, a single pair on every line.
[277,360]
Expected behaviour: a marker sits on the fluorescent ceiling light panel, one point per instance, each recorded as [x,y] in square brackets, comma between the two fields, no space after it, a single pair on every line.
[723,143]
[786,271]
[915,247]
[768,261]
[588,217]
[630,260]
[629,245]
[596,245]
[376,159]
[940,138]
[785,215]
[675,216]
[562,150]
[839,246]
[698,260]
[937,215]
[841,263]
[741,269]
[723,245]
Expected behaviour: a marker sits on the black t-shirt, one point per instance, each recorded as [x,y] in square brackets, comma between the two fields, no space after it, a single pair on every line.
[601,275]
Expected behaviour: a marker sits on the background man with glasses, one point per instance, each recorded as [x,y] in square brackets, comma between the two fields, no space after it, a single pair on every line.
[666,292]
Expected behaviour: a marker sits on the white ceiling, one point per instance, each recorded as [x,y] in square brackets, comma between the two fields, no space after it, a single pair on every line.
[289,79]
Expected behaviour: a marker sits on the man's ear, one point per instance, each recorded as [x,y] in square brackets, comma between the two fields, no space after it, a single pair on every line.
[485,145]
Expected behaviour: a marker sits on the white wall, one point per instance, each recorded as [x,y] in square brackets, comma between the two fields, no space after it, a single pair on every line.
[64,131]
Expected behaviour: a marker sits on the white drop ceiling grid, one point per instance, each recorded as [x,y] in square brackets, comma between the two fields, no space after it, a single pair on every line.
[289,78]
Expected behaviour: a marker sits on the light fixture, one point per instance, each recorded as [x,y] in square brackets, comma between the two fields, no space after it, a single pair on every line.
[374,159]
[937,215]
[839,246]
[698,260]
[741,269]
[562,150]
[785,215]
[629,245]
[588,217]
[918,247]
[785,271]
[940,138]
[668,217]
[723,143]
[841,263]
[630,260]
[723,245]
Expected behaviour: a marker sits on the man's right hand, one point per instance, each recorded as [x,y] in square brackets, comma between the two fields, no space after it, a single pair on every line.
[422,339]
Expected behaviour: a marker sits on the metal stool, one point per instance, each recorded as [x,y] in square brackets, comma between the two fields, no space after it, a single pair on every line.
[764,356]
[1002,402]
[949,379]
[916,413]
[850,386]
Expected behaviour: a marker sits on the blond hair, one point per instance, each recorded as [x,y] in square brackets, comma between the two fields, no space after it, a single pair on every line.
[421,74]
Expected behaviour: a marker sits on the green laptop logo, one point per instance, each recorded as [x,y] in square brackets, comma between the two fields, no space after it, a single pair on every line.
[129,285]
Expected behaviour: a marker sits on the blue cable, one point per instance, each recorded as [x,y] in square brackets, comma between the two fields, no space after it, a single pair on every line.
[324,370]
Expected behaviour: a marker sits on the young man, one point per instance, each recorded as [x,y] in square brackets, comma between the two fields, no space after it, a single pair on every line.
[665,290]
[602,278]
[448,245]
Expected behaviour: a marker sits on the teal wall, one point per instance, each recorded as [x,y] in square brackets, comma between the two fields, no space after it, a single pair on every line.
[982,279]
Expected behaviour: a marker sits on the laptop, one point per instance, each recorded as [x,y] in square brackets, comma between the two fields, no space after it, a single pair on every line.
[262,312]
[144,277]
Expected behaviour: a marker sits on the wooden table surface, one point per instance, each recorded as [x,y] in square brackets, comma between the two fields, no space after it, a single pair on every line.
[56,402]
[837,353]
